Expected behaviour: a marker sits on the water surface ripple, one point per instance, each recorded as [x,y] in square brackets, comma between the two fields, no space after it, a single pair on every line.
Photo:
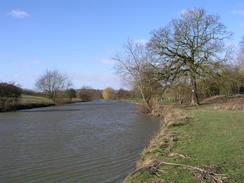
[95,142]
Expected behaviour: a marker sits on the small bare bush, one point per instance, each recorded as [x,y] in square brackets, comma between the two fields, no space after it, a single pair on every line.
[175,118]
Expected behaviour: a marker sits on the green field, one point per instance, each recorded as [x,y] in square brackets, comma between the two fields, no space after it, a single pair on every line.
[30,99]
[212,141]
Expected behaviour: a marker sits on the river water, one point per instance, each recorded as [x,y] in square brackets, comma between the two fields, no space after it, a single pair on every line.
[94,142]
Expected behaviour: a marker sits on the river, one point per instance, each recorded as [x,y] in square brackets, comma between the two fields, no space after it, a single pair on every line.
[94,142]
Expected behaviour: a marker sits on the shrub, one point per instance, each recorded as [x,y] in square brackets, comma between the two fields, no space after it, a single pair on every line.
[71,93]
[108,93]
[123,94]
[9,95]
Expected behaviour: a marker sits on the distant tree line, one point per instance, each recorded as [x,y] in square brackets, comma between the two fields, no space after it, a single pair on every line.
[56,86]
[9,95]
[87,94]
[184,61]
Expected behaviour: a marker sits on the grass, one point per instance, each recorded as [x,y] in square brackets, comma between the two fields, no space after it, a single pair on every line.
[26,102]
[210,139]
[30,99]
[135,100]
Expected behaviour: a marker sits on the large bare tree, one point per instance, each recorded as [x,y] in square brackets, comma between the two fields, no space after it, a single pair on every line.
[52,83]
[192,45]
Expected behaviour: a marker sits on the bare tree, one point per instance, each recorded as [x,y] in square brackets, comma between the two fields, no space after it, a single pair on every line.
[135,64]
[192,45]
[240,56]
[52,83]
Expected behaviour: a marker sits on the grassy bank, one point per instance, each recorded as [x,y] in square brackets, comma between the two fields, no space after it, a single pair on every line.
[134,100]
[30,99]
[28,102]
[196,145]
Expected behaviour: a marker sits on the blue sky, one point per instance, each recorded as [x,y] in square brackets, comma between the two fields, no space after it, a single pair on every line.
[79,37]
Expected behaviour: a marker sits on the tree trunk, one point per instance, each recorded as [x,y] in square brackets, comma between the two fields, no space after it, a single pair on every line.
[194,96]
[147,102]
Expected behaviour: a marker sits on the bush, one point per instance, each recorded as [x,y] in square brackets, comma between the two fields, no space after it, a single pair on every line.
[108,93]
[9,95]
[87,94]
[10,90]
[71,93]
[123,94]
[84,97]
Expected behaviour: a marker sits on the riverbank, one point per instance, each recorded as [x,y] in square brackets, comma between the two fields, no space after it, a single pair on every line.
[28,102]
[203,144]
[31,101]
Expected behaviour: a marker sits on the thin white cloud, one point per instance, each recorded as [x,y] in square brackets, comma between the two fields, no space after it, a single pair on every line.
[36,62]
[108,61]
[18,13]
[238,12]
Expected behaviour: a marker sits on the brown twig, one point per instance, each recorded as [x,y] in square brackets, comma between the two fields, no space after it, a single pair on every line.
[217,178]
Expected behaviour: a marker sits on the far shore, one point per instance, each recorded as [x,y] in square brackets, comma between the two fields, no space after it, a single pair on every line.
[30,102]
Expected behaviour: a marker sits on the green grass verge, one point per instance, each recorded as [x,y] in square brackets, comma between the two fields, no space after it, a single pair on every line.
[30,99]
[135,100]
[211,138]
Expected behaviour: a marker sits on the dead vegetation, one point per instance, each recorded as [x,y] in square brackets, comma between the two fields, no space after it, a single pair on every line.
[164,142]
[175,117]
[173,154]
[161,181]
[232,104]
[215,99]
[205,173]
[224,103]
